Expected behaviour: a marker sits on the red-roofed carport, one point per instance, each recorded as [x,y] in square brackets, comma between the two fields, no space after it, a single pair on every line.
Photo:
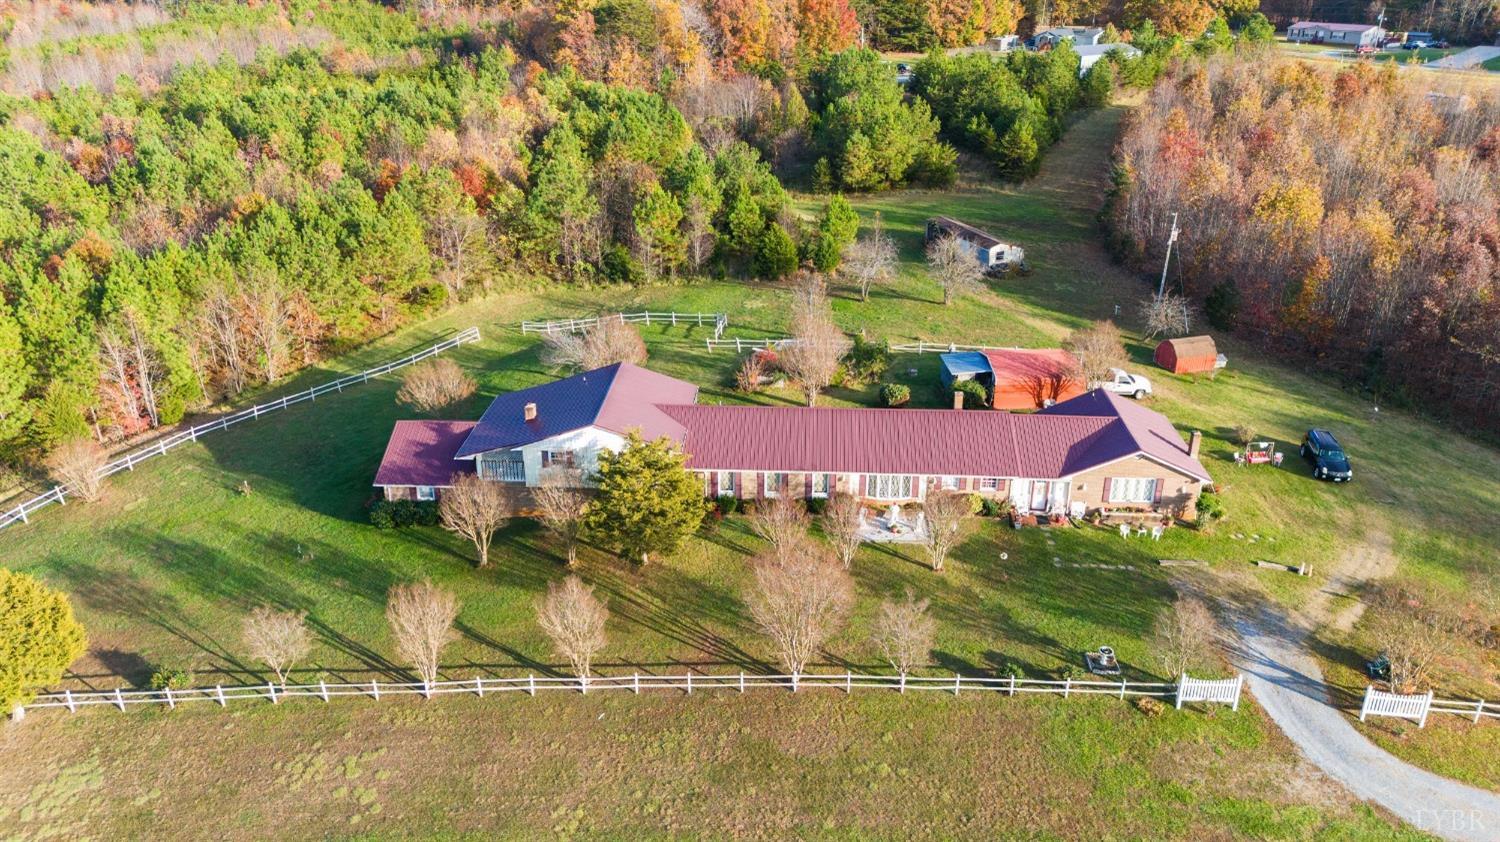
[1033,378]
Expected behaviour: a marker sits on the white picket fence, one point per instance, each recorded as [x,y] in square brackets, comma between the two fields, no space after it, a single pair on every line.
[740,344]
[719,321]
[635,683]
[925,347]
[1221,691]
[1417,706]
[58,493]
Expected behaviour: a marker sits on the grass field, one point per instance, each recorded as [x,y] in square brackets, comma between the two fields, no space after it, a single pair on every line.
[165,568]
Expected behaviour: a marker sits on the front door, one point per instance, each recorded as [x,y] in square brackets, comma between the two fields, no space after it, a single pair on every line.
[1039,495]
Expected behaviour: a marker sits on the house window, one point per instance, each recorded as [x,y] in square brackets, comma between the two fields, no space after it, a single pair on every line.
[888,486]
[560,458]
[989,483]
[1132,490]
[950,483]
[821,484]
[426,492]
[775,482]
[726,483]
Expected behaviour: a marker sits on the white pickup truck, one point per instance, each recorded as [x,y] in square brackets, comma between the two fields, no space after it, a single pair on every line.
[1122,382]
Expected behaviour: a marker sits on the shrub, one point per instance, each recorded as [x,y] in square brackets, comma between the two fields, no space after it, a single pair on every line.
[1210,508]
[868,361]
[390,514]
[895,394]
[994,507]
[748,377]
[435,384]
[775,254]
[621,267]
[1070,672]
[1243,434]
[976,503]
[975,395]
[727,504]
[165,677]
[39,637]
[817,505]
[1011,669]
[1152,708]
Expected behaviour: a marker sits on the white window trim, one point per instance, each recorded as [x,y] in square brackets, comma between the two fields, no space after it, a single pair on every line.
[897,487]
[773,482]
[949,483]
[827,484]
[1132,490]
[426,493]
[989,483]
[725,482]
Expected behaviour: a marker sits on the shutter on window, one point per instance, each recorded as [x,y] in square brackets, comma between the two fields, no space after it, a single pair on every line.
[1105,497]
[760,484]
[713,483]
[861,485]
[916,486]
[1156,492]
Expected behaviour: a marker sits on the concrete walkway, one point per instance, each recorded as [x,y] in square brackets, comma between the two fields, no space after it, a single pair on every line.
[1287,682]
[1472,57]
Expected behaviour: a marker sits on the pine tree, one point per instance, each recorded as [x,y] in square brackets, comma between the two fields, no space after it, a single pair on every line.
[14,377]
[745,224]
[658,224]
[777,255]
[648,503]
[39,637]
[1017,154]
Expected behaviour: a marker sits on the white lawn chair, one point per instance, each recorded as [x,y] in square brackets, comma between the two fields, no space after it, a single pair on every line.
[1124,530]
[1141,531]
[1156,533]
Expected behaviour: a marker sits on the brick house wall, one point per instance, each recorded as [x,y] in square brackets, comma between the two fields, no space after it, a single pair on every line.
[1174,489]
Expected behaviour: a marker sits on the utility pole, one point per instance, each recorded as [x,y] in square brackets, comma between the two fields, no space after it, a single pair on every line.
[1162,288]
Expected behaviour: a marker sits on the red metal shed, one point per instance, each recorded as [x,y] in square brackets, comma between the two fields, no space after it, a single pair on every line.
[1188,355]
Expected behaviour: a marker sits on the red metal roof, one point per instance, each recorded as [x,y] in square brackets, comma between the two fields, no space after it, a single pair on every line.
[883,441]
[421,453]
[1021,366]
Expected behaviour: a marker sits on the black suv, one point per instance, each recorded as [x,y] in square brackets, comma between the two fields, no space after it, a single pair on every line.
[1326,456]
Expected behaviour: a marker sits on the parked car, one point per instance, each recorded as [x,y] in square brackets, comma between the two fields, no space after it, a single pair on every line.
[1122,382]
[1418,40]
[1365,50]
[1326,455]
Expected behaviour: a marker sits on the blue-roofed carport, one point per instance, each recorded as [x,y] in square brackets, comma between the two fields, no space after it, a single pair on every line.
[966,365]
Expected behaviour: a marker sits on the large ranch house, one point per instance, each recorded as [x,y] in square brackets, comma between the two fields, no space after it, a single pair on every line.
[1096,452]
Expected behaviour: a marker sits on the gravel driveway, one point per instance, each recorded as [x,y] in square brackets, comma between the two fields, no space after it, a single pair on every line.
[1471,57]
[1286,681]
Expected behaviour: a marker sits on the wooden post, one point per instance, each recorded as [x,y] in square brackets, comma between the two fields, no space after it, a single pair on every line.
[171,705]
[1364,707]
[635,682]
[794,682]
[742,681]
[1122,689]
[1180,681]
[690,683]
[479,686]
[323,689]
[1067,685]
[531,684]
[903,683]
[1239,684]
[1426,706]
[375,689]
[957,681]
[68,695]
[583,684]
[272,687]
[848,683]
[426,689]
[219,694]
[119,699]
[1478,709]
[1012,684]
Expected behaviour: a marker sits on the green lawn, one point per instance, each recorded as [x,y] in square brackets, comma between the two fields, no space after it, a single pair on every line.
[166,567]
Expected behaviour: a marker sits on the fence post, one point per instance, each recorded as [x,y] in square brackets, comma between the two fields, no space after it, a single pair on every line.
[1239,684]
[531,684]
[119,699]
[375,689]
[1478,709]
[171,705]
[957,681]
[1122,689]
[1364,707]
[1067,685]
[742,681]
[1012,684]
[272,688]
[635,681]
[848,683]
[426,689]
[690,683]
[219,694]
[1426,706]
[68,695]
[903,683]
[794,682]
[1180,681]
[323,689]
[583,684]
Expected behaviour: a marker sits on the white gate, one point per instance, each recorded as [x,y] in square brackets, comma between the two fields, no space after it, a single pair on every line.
[1380,703]
[1223,690]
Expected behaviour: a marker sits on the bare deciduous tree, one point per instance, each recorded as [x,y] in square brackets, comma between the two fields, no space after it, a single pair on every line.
[277,638]
[842,520]
[783,522]
[818,345]
[221,320]
[1411,630]
[573,619]
[76,464]
[954,266]
[268,309]
[947,514]
[904,632]
[421,617]
[475,508]
[870,260]
[460,240]
[1166,315]
[435,384]
[1183,635]
[1098,348]
[561,504]
[698,229]
[800,604]
[750,375]
[612,340]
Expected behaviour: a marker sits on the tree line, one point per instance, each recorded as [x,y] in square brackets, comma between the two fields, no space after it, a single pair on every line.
[1348,217]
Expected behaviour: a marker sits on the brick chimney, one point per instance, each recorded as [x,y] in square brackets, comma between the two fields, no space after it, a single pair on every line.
[958,399]
[529,412]
[1195,442]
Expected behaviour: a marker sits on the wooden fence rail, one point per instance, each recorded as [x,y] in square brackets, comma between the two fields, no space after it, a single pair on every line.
[718,321]
[58,493]
[1416,707]
[634,683]
[925,347]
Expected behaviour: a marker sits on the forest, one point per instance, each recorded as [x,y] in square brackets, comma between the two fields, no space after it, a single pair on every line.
[1351,218]
[203,197]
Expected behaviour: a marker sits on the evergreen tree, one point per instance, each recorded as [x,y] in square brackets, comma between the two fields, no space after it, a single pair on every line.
[1258,30]
[647,502]
[1017,155]
[776,256]
[658,225]
[14,377]
[746,223]
[1099,83]
[39,637]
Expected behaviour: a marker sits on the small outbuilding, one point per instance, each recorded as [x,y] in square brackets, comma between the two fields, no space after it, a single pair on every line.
[958,366]
[993,254]
[1025,378]
[1188,355]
